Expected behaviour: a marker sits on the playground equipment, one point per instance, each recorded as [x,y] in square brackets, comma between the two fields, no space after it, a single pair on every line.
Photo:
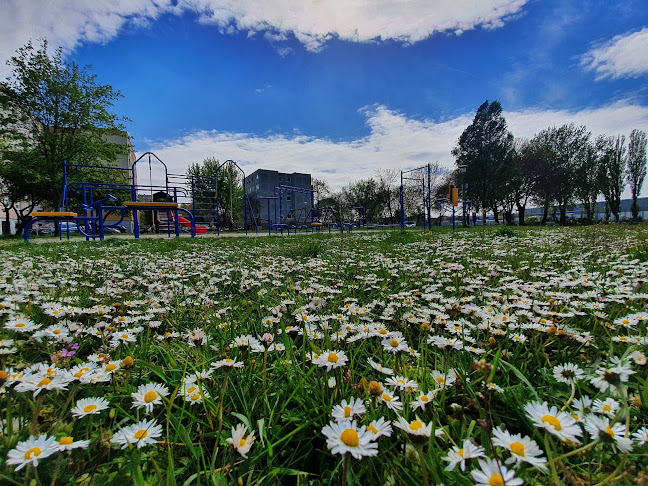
[419,179]
[107,190]
[300,219]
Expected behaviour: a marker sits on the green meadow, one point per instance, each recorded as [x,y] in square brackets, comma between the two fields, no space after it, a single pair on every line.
[480,356]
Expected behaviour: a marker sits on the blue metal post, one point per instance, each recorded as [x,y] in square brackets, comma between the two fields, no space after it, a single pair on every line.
[245,200]
[402,208]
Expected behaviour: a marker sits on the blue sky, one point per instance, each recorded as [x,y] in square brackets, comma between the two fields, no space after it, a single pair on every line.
[340,89]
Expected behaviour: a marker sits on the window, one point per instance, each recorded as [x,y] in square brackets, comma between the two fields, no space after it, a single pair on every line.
[288,198]
[288,178]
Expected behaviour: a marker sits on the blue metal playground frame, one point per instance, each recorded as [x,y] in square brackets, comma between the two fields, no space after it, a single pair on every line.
[176,188]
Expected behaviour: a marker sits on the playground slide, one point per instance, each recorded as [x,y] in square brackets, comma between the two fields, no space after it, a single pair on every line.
[185,222]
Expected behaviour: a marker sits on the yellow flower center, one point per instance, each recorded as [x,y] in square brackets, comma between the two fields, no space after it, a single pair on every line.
[20,324]
[440,379]
[415,425]
[609,431]
[195,397]
[350,437]
[496,480]
[57,331]
[34,451]
[242,443]
[192,389]
[553,421]
[66,441]
[460,452]
[332,358]
[150,396]
[372,429]
[517,448]
[111,367]
[425,398]
[124,336]
[140,434]
[81,372]
[386,397]
[89,408]
[347,411]
[394,343]
[606,408]
[45,382]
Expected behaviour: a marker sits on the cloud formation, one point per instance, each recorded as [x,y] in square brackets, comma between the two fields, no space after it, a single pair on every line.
[311,22]
[624,56]
[395,141]
[69,23]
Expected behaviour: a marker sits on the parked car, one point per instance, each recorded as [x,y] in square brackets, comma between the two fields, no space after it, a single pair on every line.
[66,225]
[42,230]
[111,230]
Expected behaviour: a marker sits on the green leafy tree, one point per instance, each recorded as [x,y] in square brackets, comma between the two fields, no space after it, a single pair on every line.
[52,111]
[611,153]
[230,195]
[562,149]
[485,148]
[587,183]
[636,168]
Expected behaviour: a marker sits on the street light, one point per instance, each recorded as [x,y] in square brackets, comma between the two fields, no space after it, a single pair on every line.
[463,194]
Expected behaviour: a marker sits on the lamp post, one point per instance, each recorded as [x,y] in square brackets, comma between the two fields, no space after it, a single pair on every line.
[463,195]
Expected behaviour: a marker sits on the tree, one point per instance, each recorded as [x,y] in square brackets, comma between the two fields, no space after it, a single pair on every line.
[587,183]
[612,163]
[636,168]
[52,111]
[364,194]
[562,149]
[524,161]
[201,185]
[485,148]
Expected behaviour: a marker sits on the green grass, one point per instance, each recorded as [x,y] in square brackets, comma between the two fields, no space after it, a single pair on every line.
[493,283]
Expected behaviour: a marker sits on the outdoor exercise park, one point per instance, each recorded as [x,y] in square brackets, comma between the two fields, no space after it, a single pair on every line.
[106,197]
[496,356]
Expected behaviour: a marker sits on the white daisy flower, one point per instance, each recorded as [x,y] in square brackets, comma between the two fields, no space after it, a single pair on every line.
[331,359]
[458,455]
[343,437]
[31,451]
[492,474]
[143,433]
[600,428]
[568,373]
[89,406]
[522,449]
[379,428]
[346,411]
[561,424]
[239,441]
[68,443]
[149,395]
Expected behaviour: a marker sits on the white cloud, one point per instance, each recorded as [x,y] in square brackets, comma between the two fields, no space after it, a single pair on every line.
[394,141]
[621,57]
[70,22]
[312,22]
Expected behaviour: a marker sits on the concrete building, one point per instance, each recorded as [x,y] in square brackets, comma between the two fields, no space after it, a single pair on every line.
[295,204]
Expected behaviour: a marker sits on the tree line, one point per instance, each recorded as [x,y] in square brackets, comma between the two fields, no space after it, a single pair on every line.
[556,168]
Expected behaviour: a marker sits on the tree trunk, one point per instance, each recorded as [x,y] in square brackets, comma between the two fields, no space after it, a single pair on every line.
[521,208]
[563,214]
[496,215]
[635,209]
[545,214]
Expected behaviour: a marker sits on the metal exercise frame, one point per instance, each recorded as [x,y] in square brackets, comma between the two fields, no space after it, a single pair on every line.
[422,178]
